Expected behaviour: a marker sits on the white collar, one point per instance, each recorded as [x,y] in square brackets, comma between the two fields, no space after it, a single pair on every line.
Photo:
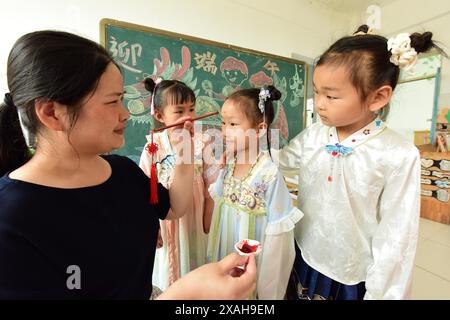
[359,137]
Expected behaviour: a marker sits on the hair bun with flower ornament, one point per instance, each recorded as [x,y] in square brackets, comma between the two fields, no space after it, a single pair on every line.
[269,93]
[403,54]
[264,94]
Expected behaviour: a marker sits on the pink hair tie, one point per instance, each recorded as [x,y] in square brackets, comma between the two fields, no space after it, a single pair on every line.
[152,104]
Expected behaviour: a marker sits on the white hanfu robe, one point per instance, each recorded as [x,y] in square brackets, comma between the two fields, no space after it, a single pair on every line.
[361,209]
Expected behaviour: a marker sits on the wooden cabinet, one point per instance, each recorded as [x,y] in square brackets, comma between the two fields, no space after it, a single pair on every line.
[435,185]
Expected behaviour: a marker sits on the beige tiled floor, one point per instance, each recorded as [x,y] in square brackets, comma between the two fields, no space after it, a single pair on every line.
[432,270]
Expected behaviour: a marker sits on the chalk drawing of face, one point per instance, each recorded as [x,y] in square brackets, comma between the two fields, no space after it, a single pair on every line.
[260,79]
[234,71]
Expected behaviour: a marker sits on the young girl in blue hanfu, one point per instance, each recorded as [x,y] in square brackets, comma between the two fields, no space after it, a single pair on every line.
[251,200]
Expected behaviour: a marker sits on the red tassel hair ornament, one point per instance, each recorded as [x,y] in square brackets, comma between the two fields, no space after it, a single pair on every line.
[152,148]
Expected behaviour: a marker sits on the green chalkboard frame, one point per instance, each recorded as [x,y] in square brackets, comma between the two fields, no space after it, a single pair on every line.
[301,115]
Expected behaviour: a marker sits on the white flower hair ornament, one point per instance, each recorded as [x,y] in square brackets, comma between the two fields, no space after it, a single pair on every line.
[264,94]
[403,55]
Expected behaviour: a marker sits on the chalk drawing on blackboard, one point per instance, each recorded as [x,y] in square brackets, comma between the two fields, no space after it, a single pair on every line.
[139,98]
[298,89]
[260,79]
[213,70]
[234,72]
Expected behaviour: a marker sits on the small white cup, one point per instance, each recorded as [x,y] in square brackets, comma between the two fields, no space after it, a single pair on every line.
[254,244]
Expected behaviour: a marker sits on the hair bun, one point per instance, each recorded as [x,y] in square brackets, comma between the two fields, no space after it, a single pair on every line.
[275,94]
[149,84]
[363,29]
[422,42]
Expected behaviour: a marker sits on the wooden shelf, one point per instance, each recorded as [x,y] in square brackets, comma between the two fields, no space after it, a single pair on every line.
[432,208]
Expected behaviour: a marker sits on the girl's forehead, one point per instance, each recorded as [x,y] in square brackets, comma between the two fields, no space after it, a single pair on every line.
[187,104]
[331,76]
[232,109]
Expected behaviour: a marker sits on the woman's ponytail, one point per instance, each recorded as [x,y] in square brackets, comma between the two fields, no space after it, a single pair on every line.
[14,151]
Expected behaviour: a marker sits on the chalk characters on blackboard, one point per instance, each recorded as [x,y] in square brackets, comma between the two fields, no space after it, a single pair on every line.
[121,53]
[297,87]
[271,66]
[206,62]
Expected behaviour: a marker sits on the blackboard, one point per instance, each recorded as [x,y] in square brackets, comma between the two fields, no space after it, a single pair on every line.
[212,69]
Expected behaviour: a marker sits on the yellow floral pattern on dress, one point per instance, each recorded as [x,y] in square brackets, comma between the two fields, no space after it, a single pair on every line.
[247,197]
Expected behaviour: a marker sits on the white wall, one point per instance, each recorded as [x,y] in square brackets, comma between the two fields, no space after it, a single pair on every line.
[412,109]
[420,16]
[282,27]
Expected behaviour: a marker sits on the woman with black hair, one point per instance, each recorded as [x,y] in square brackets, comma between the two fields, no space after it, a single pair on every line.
[75,224]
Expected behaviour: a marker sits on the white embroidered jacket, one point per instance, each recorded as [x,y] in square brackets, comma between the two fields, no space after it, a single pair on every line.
[361,210]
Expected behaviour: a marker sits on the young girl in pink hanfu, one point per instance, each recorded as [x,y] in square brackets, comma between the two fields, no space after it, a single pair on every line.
[182,242]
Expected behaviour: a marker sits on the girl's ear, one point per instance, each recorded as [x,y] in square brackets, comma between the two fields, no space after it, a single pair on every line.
[262,128]
[262,125]
[51,114]
[159,116]
[380,98]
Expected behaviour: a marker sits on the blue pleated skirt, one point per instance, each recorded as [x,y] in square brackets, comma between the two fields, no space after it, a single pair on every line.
[313,285]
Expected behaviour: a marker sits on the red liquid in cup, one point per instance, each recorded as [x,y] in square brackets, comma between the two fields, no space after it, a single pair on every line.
[247,248]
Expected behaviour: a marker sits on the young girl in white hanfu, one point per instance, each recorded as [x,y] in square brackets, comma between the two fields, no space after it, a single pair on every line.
[359,181]
[182,243]
[251,200]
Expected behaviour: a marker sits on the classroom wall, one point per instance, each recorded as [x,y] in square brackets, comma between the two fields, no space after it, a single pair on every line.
[284,27]
[419,16]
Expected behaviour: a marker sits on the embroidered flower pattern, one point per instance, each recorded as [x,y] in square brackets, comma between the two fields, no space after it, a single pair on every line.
[164,169]
[240,194]
[366,132]
[246,195]
[260,188]
[166,164]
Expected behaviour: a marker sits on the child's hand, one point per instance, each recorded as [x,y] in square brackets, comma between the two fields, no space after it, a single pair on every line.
[188,125]
[181,141]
